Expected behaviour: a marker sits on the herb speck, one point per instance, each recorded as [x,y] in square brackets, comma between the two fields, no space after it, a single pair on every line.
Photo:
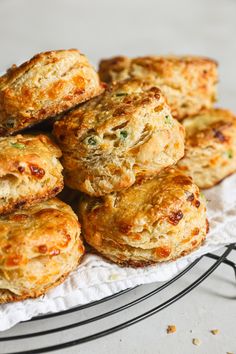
[92,141]
[230,154]
[123,134]
[18,145]
[120,94]
[167,119]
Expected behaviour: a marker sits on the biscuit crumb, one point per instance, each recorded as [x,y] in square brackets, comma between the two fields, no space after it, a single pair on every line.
[196,341]
[229,353]
[171,329]
[215,331]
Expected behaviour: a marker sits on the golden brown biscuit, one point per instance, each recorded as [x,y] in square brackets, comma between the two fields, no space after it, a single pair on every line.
[45,86]
[158,220]
[38,248]
[210,148]
[124,135]
[189,83]
[30,171]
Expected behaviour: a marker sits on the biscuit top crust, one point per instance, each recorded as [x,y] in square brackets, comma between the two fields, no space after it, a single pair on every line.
[212,126]
[47,229]
[15,74]
[96,123]
[46,85]
[22,152]
[164,66]
[143,205]
[119,137]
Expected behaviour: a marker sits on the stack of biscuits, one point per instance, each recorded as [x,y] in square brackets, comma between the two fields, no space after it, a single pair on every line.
[189,85]
[40,242]
[137,152]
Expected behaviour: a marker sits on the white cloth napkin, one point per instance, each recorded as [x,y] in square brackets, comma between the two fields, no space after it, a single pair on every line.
[96,278]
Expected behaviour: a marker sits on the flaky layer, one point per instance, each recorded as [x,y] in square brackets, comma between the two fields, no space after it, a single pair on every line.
[189,83]
[38,248]
[30,171]
[157,220]
[210,148]
[45,86]
[120,137]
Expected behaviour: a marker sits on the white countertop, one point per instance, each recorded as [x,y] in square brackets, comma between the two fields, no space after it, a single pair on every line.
[102,29]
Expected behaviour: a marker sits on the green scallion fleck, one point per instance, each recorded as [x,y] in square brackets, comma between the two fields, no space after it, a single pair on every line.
[123,134]
[119,94]
[92,141]
[167,119]
[230,154]
[18,146]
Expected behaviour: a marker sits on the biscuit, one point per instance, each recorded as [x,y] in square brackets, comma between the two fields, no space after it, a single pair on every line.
[210,147]
[158,220]
[45,86]
[189,83]
[30,171]
[38,248]
[124,135]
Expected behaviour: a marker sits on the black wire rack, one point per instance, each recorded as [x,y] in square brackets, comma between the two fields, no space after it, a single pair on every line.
[130,297]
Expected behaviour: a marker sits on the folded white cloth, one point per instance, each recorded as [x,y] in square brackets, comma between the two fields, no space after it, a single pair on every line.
[96,278]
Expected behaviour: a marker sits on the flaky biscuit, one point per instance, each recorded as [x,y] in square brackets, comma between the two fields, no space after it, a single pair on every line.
[38,248]
[210,148]
[30,171]
[189,83]
[122,136]
[157,220]
[45,86]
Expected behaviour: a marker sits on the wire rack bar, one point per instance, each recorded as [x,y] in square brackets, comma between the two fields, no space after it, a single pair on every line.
[105,314]
[163,305]
[81,307]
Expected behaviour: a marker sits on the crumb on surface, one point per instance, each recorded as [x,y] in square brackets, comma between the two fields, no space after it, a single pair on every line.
[215,331]
[196,341]
[171,329]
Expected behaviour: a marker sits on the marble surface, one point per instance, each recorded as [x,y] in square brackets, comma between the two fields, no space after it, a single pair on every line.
[136,27]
